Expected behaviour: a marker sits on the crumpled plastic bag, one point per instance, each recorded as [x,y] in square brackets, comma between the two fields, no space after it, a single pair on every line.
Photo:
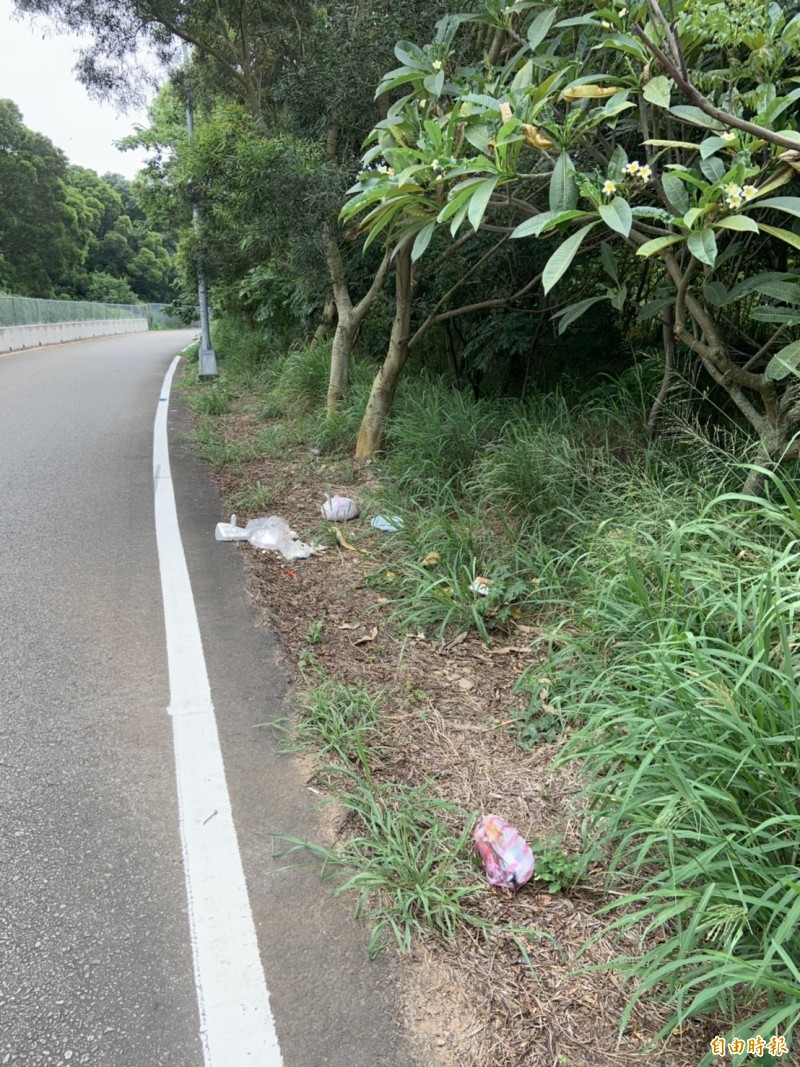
[339,508]
[506,856]
[272,534]
[389,524]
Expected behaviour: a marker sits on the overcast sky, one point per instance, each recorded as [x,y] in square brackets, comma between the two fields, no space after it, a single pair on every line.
[36,73]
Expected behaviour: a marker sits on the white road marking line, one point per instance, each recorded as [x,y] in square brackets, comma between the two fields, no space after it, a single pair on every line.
[236,1024]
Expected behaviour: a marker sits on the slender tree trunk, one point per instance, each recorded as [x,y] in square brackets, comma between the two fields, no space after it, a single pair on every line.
[343,341]
[384,386]
[668,334]
[349,318]
[325,327]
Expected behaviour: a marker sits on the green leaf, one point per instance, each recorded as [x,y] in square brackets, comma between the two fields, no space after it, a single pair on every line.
[713,168]
[434,83]
[784,363]
[658,91]
[788,204]
[649,248]
[782,235]
[652,307]
[560,260]
[676,193]
[539,28]
[617,215]
[609,261]
[659,142]
[703,246]
[545,221]
[619,298]
[779,289]
[738,222]
[574,311]
[523,78]
[478,136]
[710,145]
[769,313]
[395,78]
[563,187]
[423,239]
[412,55]
[716,294]
[695,116]
[480,200]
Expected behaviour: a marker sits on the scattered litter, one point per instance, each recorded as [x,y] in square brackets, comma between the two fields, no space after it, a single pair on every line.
[431,559]
[506,856]
[480,586]
[339,508]
[272,534]
[390,524]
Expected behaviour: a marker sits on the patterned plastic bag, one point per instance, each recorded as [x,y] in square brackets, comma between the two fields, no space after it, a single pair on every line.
[506,856]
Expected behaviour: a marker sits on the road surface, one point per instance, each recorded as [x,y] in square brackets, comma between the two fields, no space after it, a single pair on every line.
[99,956]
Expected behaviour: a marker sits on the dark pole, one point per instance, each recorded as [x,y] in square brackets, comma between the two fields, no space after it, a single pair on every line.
[208,357]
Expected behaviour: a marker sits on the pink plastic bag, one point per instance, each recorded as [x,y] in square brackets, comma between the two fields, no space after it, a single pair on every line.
[506,856]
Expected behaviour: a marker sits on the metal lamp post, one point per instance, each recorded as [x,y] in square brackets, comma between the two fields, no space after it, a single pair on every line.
[208,357]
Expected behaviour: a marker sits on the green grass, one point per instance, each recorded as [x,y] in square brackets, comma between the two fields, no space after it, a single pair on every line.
[340,722]
[685,677]
[410,872]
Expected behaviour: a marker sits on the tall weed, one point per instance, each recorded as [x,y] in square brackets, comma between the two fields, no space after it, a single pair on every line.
[685,673]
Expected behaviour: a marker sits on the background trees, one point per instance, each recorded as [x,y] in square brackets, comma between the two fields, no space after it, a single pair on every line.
[65,231]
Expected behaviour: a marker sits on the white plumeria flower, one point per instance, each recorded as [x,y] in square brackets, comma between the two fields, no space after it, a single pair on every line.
[631,168]
[609,187]
[437,64]
[644,173]
[749,191]
[605,25]
[728,136]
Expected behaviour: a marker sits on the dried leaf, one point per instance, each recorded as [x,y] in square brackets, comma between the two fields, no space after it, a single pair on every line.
[431,559]
[349,626]
[507,649]
[340,537]
[465,684]
[367,637]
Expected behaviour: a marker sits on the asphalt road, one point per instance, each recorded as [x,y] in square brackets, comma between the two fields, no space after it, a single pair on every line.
[96,962]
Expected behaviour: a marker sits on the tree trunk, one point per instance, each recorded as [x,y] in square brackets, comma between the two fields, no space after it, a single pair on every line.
[384,386]
[349,318]
[668,335]
[323,331]
[343,341]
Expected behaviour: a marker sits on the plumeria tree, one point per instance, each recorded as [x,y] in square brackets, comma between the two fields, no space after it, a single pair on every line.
[592,131]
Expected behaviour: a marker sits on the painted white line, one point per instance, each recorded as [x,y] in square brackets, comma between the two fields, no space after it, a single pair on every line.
[236,1024]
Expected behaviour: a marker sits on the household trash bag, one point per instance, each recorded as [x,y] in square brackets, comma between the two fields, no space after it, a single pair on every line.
[506,856]
[339,508]
[272,534]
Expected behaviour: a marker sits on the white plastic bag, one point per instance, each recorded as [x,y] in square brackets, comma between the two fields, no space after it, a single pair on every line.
[272,534]
[339,508]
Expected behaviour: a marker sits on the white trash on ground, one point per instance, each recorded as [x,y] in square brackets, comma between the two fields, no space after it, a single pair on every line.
[389,524]
[272,534]
[339,508]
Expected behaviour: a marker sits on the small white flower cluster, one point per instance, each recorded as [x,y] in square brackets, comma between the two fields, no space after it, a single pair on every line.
[437,64]
[384,168]
[728,136]
[736,195]
[636,170]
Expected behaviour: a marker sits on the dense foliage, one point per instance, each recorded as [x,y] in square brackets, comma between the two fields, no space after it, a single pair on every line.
[67,232]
